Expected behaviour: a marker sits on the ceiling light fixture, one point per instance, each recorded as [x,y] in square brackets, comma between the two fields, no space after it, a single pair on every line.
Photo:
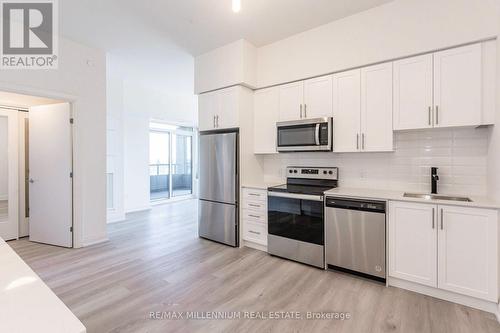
[236,5]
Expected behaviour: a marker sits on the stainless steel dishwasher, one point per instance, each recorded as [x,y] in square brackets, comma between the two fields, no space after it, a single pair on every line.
[355,236]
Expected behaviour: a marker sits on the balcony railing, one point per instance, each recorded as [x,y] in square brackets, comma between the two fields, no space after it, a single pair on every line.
[159,177]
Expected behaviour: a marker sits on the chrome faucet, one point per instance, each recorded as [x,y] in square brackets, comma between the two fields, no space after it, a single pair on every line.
[434,180]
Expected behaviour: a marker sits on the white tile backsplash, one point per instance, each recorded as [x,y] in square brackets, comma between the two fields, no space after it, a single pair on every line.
[460,154]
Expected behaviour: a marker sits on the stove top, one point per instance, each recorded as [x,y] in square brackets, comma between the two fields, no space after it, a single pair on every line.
[314,181]
[301,189]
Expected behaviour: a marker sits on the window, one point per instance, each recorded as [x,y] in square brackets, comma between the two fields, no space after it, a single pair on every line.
[170,161]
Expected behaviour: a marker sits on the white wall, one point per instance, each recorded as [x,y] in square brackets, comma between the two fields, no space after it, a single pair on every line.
[81,75]
[4,172]
[142,88]
[494,148]
[396,29]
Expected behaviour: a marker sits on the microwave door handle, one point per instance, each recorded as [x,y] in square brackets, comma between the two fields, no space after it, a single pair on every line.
[316,135]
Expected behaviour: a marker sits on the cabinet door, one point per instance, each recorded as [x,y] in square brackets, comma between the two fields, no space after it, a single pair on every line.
[467,253]
[413,93]
[291,101]
[318,97]
[266,114]
[346,111]
[457,86]
[207,105]
[376,108]
[228,110]
[413,242]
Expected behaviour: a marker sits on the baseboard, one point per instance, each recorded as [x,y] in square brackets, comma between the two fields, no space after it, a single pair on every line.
[114,217]
[255,246]
[449,296]
[94,242]
[138,209]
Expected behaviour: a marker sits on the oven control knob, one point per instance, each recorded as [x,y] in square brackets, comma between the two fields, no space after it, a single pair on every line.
[294,171]
[330,172]
[324,172]
[290,171]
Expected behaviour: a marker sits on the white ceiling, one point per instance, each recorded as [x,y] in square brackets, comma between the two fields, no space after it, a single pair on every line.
[23,101]
[196,26]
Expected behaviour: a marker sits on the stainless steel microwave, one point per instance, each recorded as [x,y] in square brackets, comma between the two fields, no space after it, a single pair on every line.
[305,135]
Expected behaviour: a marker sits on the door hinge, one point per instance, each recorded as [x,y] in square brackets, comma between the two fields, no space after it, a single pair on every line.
[71,120]
[71,175]
[70,229]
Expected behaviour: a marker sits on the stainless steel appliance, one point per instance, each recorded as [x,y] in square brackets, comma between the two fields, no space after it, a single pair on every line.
[218,217]
[296,215]
[355,236]
[305,135]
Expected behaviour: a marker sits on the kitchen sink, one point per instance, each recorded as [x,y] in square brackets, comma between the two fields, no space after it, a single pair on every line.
[436,197]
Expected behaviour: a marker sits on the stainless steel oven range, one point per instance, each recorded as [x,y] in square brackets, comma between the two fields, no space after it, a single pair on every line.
[296,215]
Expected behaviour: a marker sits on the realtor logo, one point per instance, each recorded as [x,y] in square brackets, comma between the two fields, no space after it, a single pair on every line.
[29,34]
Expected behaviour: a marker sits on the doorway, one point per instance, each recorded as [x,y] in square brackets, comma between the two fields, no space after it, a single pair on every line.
[170,161]
[36,169]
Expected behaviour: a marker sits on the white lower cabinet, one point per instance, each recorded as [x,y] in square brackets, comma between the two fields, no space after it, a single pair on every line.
[254,216]
[413,242]
[451,248]
[467,251]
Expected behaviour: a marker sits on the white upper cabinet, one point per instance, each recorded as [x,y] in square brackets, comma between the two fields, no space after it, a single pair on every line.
[318,97]
[207,106]
[266,114]
[457,86]
[228,112]
[376,108]
[444,89]
[306,99]
[362,109]
[219,109]
[413,242]
[291,101]
[413,93]
[468,251]
[347,111]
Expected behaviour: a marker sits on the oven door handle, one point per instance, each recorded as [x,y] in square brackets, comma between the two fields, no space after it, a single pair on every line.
[316,135]
[296,196]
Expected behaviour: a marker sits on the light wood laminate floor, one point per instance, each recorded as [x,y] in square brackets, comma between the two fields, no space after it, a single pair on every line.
[154,261]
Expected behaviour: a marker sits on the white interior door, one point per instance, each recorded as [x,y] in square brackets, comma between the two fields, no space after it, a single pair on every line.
[50,161]
[9,185]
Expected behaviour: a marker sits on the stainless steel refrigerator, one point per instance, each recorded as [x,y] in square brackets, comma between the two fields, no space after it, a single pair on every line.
[218,217]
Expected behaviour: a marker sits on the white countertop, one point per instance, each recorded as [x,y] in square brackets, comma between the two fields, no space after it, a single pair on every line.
[26,303]
[479,202]
[263,185]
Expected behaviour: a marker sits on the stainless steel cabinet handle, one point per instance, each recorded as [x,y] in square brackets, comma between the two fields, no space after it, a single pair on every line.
[305,110]
[437,115]
[254,205]
[357,141]
[300,111]
[254,232]
[217,117]
[433,217]
[430,116]
[363,141]
[442,227]
[254,194]
[214,122]
[254,216]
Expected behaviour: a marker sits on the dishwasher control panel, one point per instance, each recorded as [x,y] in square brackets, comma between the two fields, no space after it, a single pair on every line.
[354,204]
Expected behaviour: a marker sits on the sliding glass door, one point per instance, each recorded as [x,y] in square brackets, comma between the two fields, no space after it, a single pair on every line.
[159,165]
[170,161]
[182,168]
